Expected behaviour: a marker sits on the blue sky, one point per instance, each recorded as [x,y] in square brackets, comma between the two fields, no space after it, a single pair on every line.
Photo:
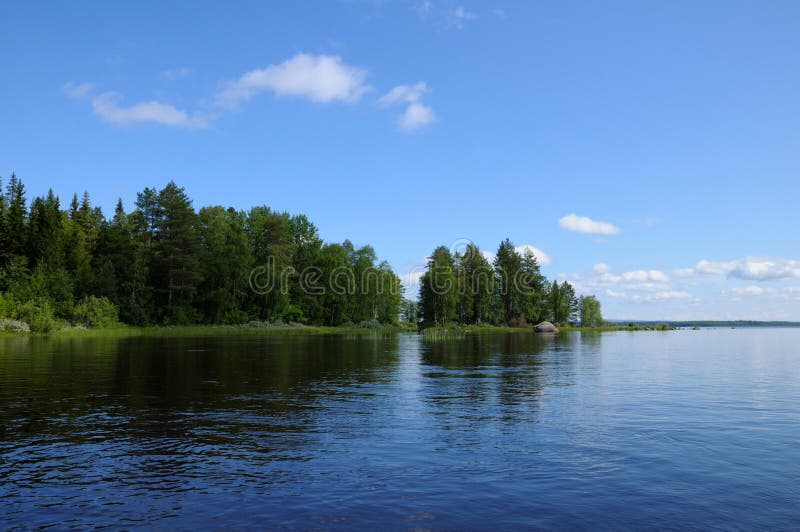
[647,150]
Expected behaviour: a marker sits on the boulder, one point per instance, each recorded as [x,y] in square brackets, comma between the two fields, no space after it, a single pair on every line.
[545,327]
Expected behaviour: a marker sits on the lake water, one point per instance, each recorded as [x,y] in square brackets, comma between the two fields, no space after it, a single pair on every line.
[630,429]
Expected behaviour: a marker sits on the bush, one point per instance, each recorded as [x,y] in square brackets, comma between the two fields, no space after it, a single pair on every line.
[293,313]
[38,316]
[8,305]
[95,312]
[234,317]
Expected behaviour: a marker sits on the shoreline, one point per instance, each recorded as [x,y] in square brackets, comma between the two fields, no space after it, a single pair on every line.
[289,330]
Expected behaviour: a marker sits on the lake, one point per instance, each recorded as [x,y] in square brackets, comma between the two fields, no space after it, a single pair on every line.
[584,430]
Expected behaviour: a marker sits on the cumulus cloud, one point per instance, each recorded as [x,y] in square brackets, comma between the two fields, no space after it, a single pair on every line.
[416,114]
[654,283]
[601,268]
[107,107]
[662,295]
[319,78]
[751,290]
[749,269]
[582,224]
[645,275]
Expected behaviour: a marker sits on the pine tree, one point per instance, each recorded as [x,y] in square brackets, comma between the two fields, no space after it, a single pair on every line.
[4,251]
[508,264]
[17,213]
[475,286]
[532,286]
[178,253]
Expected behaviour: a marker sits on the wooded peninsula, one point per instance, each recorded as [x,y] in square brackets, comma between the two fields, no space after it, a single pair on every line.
[166,264]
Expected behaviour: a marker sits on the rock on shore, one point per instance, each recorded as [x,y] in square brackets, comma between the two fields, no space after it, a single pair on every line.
[545,327]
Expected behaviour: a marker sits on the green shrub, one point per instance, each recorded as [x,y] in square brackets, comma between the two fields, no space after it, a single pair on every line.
[95,312]
[234,317]
[8,305]
[39,316]
[293,314]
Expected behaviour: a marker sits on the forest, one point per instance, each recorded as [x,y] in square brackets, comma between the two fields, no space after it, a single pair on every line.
[164,263]
[465,288]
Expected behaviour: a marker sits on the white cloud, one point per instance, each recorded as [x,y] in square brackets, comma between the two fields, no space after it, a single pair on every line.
[543,258]
[411,278]
[174,74]
[499,13]
[106,106]
[416,115]
[601,267]
[582,224]
[319,78]
[404,94]
[78,91]
[661,295]
[749,269]
[751,290]
[669,294]
[645,275]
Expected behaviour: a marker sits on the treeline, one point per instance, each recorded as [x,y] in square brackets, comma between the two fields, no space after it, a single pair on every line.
[465,288]
[165,263]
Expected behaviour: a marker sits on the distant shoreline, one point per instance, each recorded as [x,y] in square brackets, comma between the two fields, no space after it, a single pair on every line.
[711,323]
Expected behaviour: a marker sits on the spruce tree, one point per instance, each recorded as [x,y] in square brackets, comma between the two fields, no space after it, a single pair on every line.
[178,253]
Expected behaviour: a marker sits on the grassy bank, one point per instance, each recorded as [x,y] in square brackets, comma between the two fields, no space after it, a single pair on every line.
[451,332]
[206,330]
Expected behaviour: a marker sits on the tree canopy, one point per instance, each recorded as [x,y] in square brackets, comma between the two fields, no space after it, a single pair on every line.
[465,289]
[166,263]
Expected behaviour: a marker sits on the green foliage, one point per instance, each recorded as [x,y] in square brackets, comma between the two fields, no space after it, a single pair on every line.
[94,312]
[164,263]
[563,304]
[438,289]
[590,312]
[293,314]
[39,316]
[467,291]
[8,305]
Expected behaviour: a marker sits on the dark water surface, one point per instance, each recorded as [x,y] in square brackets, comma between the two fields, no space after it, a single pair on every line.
[649,429]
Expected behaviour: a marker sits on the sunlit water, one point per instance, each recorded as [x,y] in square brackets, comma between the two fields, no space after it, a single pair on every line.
[649,429]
